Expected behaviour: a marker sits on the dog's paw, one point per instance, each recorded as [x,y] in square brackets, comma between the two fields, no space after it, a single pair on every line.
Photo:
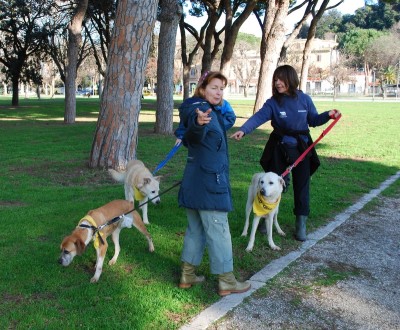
[151,247]
[275,248]
[112,262]
[249,249]
[244,233]
[282,233]
[94,279]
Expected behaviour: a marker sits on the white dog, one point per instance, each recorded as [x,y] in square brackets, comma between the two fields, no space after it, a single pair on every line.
[139,184]
[263,198]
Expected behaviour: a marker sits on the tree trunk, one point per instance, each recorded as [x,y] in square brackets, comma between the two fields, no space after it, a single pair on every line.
[310,39]
[273,37]
[74,42]
[187,60]
[186,85]
[231,32]
[169,17]
[15,91]
[116,135]
[306,62]
[367,72]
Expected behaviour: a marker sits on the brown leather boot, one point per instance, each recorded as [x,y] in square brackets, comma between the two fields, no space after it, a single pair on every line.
[188,277]
[228,284]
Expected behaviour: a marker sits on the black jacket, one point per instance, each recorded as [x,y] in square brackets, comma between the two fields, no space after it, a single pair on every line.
[273,154]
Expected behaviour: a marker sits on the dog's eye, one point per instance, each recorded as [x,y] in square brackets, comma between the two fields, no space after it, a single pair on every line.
[153,192]
[262,181]
[66,252]
[271,183]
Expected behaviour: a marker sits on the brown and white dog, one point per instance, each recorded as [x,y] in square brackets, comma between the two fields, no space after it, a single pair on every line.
[139,184]
[76,243]
[263,198]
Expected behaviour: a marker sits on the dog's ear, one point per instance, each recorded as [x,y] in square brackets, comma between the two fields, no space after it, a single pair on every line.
[158,178]
[282,182]
[80,246]
[146,181]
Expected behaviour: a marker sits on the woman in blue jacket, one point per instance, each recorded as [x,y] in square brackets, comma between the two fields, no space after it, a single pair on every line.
[291,113]
[205,190]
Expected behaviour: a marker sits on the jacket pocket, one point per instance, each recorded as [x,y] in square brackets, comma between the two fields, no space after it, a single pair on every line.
[290,153]
[215,179]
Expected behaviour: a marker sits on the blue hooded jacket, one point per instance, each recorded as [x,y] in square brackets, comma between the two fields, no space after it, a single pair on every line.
[205,184]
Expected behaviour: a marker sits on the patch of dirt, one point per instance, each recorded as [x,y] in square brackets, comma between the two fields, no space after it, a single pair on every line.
[12,203]
[59,173]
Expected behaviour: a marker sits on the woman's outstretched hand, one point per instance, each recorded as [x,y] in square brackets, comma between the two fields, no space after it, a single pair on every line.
[203,118]
[237,136]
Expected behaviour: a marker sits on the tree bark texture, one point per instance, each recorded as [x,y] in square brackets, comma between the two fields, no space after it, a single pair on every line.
[169,17]
[116,135]
[74,42]
[273,37]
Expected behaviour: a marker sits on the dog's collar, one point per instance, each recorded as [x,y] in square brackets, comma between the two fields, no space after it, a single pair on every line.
[138,194]
[97,235]
[261,207]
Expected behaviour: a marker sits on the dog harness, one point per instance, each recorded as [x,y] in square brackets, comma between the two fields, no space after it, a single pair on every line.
[97,235]
[138,194]
[261,207]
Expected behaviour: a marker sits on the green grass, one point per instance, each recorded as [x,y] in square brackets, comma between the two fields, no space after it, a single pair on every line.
[46,187]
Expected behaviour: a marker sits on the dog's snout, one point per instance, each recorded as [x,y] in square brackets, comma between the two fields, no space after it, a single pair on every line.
[262,191]
[60,261]
[158,201]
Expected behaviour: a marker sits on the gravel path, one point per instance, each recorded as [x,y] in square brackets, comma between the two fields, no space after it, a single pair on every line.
[349,280]
[345,276]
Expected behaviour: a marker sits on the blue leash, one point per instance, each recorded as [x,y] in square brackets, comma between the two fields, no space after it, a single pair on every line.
[167,158]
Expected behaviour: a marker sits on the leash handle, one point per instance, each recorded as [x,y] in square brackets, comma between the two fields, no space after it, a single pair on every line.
[298,160]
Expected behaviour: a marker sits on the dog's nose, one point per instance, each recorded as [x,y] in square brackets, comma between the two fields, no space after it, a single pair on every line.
[158,201]
[262,191]
[60,260]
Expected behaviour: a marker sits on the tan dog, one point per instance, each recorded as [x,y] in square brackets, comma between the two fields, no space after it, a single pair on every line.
[75,244]
[265,190]
[139,184]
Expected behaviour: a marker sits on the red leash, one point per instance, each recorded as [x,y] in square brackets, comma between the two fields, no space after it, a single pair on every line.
[298,160]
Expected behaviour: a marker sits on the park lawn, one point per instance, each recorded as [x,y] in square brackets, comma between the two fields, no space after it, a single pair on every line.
[46,187]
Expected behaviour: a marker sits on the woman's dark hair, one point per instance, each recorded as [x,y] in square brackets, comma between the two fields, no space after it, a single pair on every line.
[289,76]
[205,80]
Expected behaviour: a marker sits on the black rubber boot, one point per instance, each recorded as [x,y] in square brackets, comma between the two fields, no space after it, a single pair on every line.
[301,232]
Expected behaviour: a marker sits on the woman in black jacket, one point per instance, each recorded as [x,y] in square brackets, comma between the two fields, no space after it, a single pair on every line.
[291,113]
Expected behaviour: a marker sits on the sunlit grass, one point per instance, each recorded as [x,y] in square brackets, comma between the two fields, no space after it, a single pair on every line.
[46,187]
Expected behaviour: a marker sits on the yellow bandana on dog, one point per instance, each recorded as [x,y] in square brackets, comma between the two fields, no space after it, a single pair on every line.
[138,195]
[96,237]
[261,207]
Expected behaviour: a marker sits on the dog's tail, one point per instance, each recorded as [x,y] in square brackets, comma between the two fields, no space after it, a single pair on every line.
[117,176]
